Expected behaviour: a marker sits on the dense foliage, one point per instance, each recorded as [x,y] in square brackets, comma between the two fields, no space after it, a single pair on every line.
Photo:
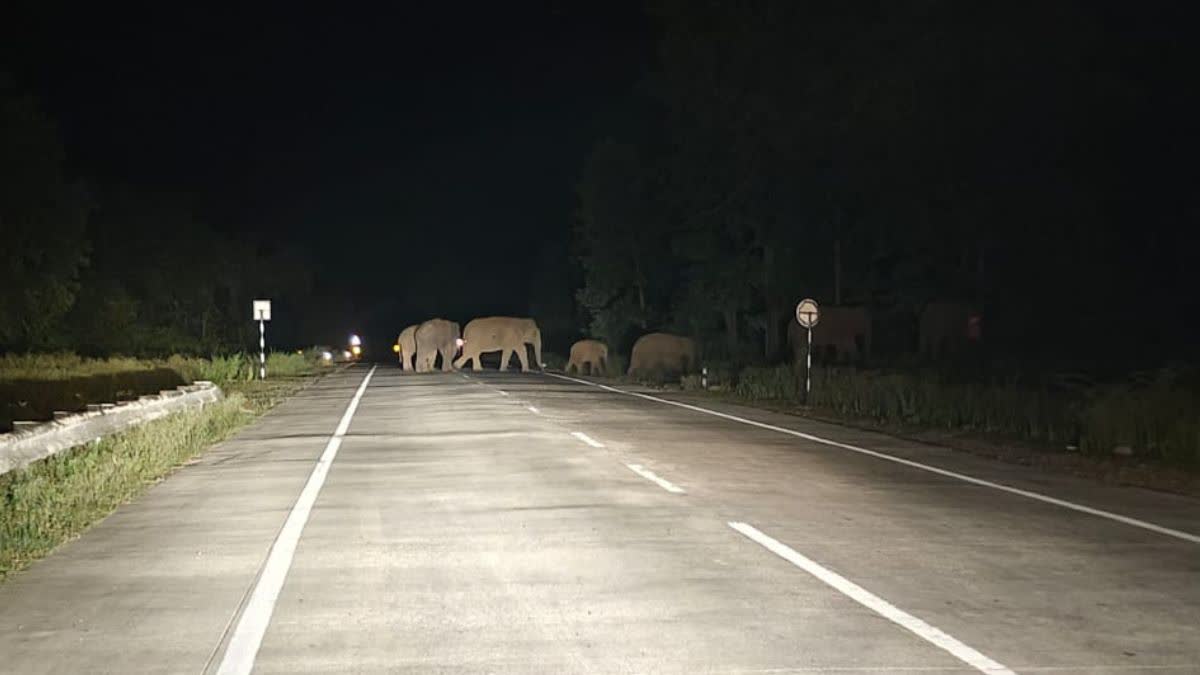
[1027,160]
[110,270]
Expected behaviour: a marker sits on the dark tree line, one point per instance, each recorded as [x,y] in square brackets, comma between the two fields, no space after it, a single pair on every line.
[118,270]
[1029,159]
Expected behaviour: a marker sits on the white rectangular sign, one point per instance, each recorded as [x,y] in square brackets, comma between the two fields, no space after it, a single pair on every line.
[262,310]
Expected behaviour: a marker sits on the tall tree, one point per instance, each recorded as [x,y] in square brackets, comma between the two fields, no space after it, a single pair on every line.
[42,220]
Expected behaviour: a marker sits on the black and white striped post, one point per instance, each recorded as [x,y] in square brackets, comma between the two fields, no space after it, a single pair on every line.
[262,349]
[807,313]
[262,312]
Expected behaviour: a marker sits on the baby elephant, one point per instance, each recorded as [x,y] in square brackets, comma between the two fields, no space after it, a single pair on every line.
[592,353]
[662,352]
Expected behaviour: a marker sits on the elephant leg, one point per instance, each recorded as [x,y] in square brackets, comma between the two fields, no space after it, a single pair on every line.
[405,361]
[571,364]
[524,359]
[602,363]
[505,355]
[447,358]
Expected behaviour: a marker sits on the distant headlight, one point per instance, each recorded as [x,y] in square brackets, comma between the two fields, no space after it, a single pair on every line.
[356,349]
[396,348]
[328,356]
[355,341]
[458,342]
[346,354]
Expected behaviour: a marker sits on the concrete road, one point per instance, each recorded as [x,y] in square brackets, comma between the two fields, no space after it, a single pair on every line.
[485,522]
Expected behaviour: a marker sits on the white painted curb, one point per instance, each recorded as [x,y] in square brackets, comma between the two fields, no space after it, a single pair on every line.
[30,442]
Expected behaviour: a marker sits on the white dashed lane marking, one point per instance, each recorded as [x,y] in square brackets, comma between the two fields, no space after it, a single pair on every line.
[654,478]
[587,439]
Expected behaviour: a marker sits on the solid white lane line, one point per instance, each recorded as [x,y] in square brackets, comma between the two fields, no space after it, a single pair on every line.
[532,409]
[875,603]
[1178,534]
[252,626]
[654,478]
[587,439]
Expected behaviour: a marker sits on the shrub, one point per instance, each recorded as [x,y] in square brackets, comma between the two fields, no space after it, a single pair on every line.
[767,383]
[1159,421]
[225,369]
[288,364]
[554,361]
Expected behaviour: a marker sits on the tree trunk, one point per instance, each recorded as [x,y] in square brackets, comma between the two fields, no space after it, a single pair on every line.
[731,331]
[837,272]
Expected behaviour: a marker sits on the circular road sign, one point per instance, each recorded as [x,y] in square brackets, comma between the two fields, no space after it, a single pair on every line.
[807,312]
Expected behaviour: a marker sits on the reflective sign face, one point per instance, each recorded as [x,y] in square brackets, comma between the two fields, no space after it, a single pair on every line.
[807,313]
[262,310]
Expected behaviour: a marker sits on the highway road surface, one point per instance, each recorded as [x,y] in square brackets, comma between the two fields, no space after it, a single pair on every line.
[381,522]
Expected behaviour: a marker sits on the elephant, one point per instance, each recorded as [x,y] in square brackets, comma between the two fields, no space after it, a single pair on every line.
[592,353]
[504,334]
[843,331]
[663,351]
[433,337]
[408,346]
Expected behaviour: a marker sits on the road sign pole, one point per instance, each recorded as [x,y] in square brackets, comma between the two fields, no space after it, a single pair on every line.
[262,349]
[808,368]
[807,315]
[262,314]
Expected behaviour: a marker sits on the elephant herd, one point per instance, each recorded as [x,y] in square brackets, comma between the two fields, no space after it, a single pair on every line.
[420,346]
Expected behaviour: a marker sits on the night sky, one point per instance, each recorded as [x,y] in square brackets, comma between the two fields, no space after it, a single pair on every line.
[401,147]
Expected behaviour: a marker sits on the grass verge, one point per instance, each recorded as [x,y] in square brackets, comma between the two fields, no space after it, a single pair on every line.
[56,499]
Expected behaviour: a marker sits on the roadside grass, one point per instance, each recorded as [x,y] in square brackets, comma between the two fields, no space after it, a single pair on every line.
[1154,421]
[55,500]
[66,365]
[34,386]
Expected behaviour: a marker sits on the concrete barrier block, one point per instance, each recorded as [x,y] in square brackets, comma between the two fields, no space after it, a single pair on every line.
[31,441]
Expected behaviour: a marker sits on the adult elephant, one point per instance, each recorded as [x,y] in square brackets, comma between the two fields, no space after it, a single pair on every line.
[504,334]
[408,346]
[662,352]
[842,334]
[592,353]
[436,336]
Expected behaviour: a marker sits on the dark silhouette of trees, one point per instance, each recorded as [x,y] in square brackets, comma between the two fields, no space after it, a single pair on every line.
[42,219]
[119,270]
[894,154]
